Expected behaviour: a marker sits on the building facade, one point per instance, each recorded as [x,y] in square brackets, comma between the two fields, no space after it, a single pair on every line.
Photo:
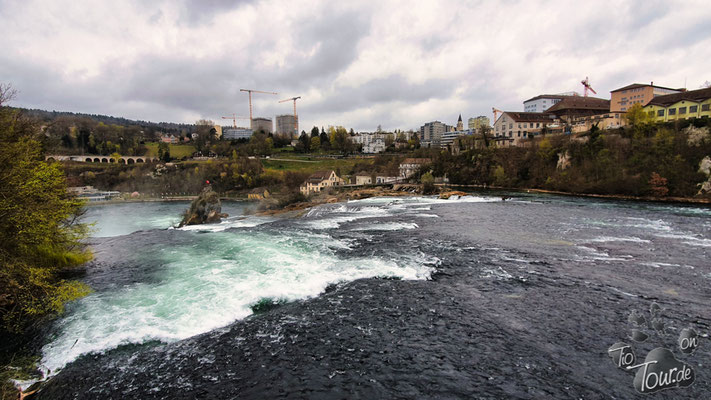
[475,124]
[518,126]
[575,107]
[264,124]
[637,93]
[460,124]
[543,102]
[411,165]
[603,122]
[683,105]
[431,133]
[372,142]
[320,180]
[287,124]
[236,133]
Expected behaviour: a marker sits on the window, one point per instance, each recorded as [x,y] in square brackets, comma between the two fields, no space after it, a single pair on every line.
[510,126]
[672,111]
[651,114]
[682,110]
[510,133]
[660,113]
[519,134]
[519,125]
[538,124]
[693,109]
[705,107]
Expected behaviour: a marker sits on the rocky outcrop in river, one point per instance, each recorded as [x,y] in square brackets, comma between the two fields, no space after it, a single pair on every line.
[206,209]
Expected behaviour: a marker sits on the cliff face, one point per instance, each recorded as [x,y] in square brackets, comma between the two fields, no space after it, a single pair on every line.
[206,209]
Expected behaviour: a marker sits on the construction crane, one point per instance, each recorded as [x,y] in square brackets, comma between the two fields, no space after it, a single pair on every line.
[496,112]
[234,119]
[296,124]
[250,91]
[586,84]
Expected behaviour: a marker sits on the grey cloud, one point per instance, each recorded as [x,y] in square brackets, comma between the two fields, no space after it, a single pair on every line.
[378,92]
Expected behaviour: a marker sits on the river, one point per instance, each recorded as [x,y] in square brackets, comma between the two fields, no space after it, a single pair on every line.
[411,297]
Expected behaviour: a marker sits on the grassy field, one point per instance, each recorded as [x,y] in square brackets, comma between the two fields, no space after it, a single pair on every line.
[307,164]
[176,150]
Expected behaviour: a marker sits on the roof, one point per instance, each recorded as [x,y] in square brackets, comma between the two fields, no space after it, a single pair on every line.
[639,85]
[416,161]
[692,95]
[529,116]
[460,118]
[318,176]
[580,103]
[548,96]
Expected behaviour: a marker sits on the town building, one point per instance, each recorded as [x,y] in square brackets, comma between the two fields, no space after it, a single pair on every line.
[411,165]
[372,142]
[602,121]
[543,102]
[263,124]
[460,125]
[682,105]
[512,127]
[385,179]
[475,124]
[449,138]
[578,106]
[236,133]
[431,133]
[363,178]
[218,131]
[320,180]
[637,93]
[287,124]
[169,139]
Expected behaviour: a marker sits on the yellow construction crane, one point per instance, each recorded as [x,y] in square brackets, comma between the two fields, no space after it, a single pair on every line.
[250,91]
[496,112]
[296,124]
[234,119]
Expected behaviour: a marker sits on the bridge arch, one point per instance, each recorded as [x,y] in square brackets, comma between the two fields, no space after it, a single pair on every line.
[130,161]
[97,160]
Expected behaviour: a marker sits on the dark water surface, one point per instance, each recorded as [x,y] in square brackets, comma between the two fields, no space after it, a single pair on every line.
[389,298]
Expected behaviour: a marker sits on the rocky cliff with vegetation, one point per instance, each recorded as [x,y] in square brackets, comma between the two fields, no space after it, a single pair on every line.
[645,160]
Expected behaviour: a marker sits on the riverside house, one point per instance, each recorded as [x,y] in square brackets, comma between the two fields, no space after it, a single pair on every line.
[412,165]
[320,180]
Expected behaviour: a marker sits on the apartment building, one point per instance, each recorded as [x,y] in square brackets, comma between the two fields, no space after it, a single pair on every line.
[637,93]
[683,105]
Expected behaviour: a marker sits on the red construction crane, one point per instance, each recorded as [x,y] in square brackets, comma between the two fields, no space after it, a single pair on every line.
[586,84]
[496,111]
[296,124]
[250,102]
[234,119]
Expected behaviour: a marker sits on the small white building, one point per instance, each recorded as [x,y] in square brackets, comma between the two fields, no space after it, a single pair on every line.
[363,179]
[411,165]
[320,180]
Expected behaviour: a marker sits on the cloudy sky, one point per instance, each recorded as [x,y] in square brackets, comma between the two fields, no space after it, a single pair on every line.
[358,64]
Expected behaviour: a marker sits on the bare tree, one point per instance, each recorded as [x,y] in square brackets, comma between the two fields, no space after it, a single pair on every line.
[7,93]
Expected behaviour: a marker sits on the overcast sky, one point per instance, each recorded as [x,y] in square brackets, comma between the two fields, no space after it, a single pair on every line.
[357,64]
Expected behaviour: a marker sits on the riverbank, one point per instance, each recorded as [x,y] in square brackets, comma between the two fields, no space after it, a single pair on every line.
[671,199]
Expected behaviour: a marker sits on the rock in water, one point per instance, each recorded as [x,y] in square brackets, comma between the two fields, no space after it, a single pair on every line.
[205,209]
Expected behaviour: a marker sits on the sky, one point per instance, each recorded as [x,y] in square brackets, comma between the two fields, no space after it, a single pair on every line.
[359,64]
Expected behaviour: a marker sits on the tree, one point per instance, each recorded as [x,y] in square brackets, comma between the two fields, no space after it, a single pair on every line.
[324,140]
[314,132]
[315,144]
[39,234]
[636,116]
[658,185]
[164,152]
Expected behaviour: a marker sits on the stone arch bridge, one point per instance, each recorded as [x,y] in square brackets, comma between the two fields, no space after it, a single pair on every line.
[102,159]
